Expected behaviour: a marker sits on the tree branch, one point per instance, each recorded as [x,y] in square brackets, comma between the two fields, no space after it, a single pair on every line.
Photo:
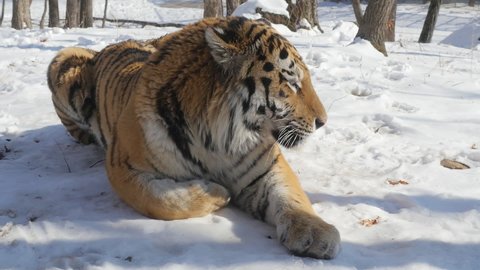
[357,9]
[142,23]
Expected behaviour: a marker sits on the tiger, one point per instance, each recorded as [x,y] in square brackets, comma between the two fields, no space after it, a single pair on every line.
[195,120]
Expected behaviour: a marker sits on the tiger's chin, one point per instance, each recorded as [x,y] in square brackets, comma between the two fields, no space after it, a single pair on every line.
[288,136]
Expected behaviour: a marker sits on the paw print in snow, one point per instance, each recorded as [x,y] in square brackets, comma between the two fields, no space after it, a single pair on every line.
[404,107]
[382,124]
[396,71]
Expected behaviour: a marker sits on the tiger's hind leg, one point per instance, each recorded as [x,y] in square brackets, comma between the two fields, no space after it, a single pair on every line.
[165,199]
[70,79]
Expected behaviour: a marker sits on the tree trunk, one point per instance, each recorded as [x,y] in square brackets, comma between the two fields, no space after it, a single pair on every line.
[72,16]
[21,14]
[3,12]
[27,18]
[86,14]
[430,21]
[104,13]
[212,8]
[232,5]
[357,10]
[42,20]
[53,14]
[471,3]
[391,23]
[300,11]
[17,15]
[374,23]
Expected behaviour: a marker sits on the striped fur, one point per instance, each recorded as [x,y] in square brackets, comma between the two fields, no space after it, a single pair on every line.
[194,119]
[73,94]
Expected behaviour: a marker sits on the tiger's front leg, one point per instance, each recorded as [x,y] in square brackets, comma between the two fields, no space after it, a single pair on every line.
[277,198]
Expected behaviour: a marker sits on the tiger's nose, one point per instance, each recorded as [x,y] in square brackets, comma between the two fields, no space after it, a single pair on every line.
[318,123]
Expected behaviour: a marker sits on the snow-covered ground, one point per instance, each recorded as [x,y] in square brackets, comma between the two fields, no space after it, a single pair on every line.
[390,119]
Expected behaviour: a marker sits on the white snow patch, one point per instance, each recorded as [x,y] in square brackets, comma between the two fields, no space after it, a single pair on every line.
[467,37]
[272,6]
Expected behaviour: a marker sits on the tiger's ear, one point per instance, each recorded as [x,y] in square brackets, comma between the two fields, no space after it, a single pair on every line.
[226,53]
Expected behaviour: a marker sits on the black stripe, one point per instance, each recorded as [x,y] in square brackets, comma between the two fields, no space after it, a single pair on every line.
[250,30]
[103,141]
[124,99]
[263,204]
[281,77]
[266,84]
[261,110]
[259,35]
[165,48]
[261,56]
[251,126]
[61,109]
[252,183]
[253,163]
[230,129]
[250,67]
[69,63]
[283,54]
[250,84]
[113,145]
[76,86]
[208,141]
[119,63]
[169,108]
[88,108]
[236,23]
[129,87]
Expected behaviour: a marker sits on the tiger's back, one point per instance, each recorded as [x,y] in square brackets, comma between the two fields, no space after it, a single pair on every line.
[116,72]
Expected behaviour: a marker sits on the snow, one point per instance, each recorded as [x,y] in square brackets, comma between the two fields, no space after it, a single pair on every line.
[467,37]
[390,118]
[248,9]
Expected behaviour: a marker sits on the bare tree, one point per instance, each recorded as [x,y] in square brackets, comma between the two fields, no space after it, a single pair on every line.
[357,10]
[232,5]
[299,11]
[390,35]
[471,3]
[372,25]
[53,14]
[86,13]
[27,18]
[42,20]
[212,8]
[17,14]
[21,14]
[104,13]
[72,16]
[3,12]
[430,21]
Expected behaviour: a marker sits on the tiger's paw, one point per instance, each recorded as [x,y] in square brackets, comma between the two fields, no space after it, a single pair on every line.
[307,235]
[207,195]
[218,194]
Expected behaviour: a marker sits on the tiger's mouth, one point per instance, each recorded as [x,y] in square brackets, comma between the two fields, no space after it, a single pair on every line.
[289,135]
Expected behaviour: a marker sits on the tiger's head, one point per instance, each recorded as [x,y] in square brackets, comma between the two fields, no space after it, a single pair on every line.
[273,82]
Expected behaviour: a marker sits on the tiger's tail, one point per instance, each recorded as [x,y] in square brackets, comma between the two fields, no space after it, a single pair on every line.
[71,81]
